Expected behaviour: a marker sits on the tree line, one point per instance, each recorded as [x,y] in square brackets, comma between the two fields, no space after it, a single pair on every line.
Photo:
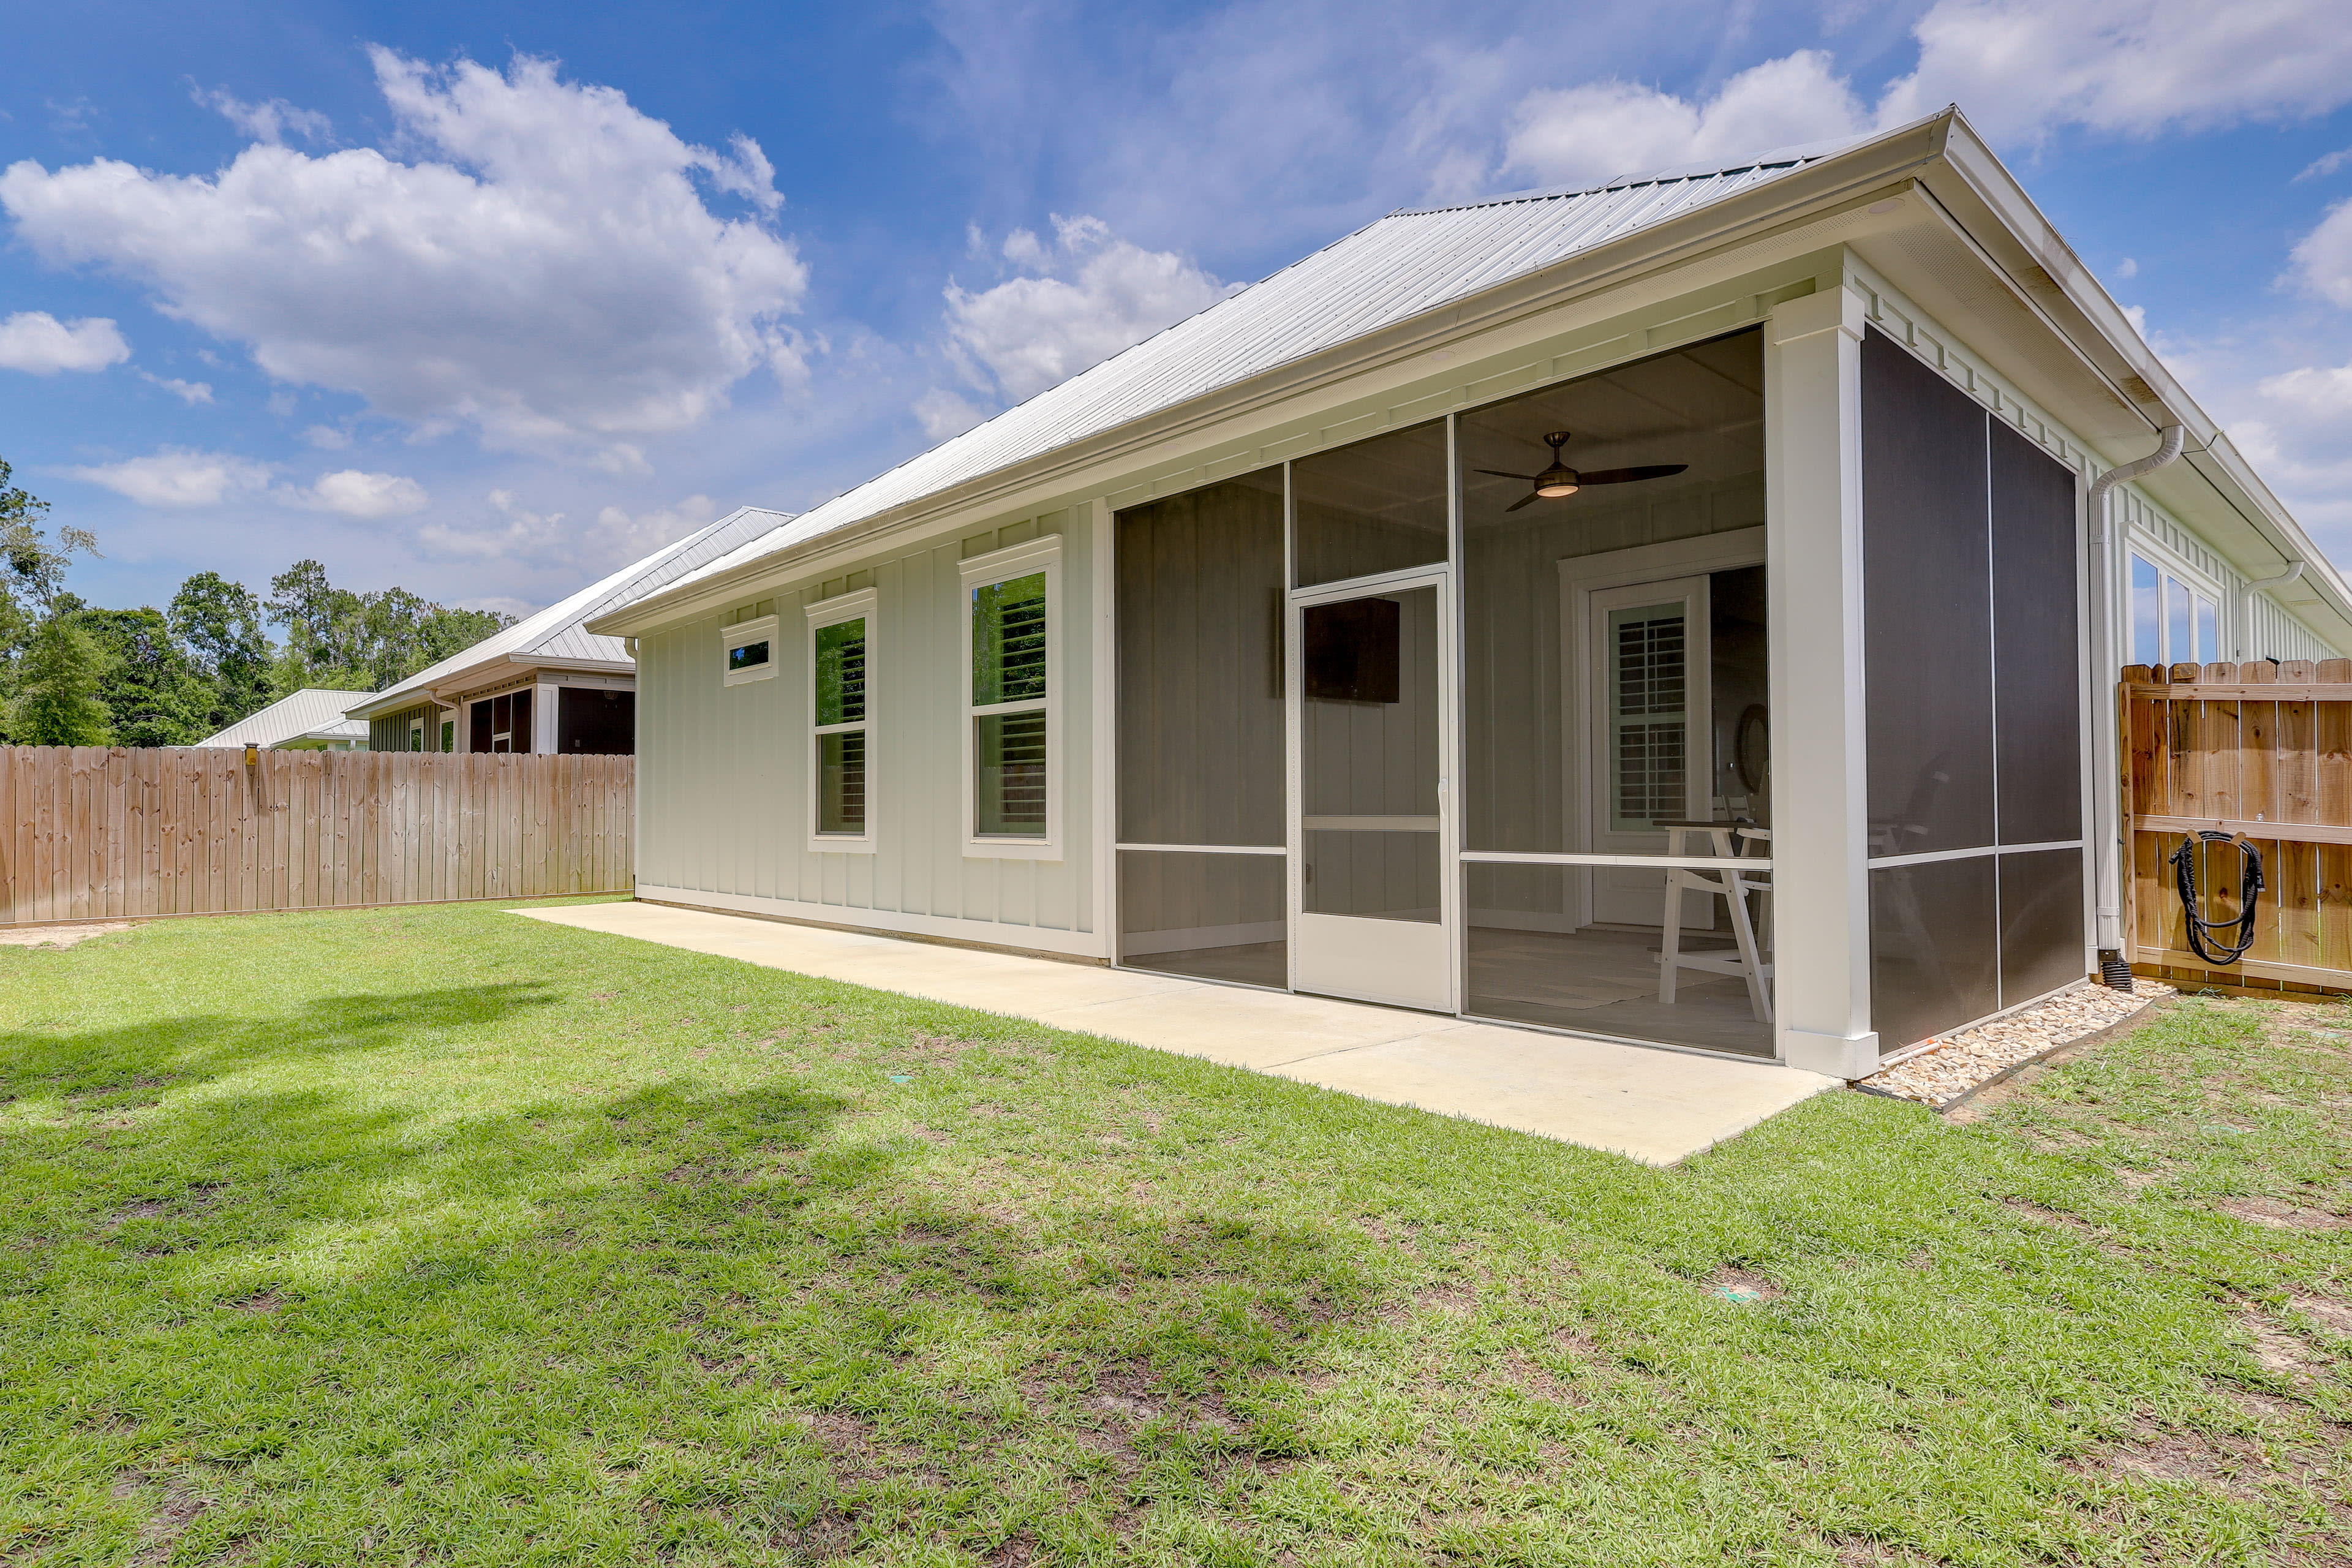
[72,674]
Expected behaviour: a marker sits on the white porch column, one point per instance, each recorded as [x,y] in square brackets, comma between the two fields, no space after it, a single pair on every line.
[542,717]
[1813,511]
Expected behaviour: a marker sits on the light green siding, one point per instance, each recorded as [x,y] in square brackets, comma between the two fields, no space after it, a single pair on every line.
[724,772]
[389,732]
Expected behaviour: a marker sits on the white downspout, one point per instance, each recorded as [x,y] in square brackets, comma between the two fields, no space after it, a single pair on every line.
[2107,831]
[2246,604]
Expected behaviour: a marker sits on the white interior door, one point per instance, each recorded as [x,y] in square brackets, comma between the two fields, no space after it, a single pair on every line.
[1650,751]
[1371,907]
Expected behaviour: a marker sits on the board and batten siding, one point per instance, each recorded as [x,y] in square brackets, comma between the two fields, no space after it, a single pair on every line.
[725,773]
[389,731]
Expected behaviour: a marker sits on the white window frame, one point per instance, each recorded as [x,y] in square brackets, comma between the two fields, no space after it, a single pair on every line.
[1041,554]
[832,612]
[2201,590]
[755,630]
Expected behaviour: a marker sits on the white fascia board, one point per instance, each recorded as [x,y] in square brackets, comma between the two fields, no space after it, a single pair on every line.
[456,686]
[1810,209]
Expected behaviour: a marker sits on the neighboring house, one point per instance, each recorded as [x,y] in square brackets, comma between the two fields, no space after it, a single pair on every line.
[310,720]
[1448,619]
[545,683]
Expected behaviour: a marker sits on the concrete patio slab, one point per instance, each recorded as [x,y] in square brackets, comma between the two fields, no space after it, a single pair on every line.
[1655,1106]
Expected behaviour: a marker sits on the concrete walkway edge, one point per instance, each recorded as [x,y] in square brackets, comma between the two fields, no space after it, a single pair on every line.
[1655,1106]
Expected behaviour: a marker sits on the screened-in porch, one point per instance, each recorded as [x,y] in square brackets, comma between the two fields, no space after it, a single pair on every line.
[1478,716]
[1472,717]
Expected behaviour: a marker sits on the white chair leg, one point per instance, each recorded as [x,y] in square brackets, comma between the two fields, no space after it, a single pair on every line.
[1751,961]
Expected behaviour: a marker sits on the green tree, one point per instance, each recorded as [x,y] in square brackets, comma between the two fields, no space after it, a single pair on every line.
[32,586]
[366,642]
[154,695]
[220,624]
[58,683]
[32,570]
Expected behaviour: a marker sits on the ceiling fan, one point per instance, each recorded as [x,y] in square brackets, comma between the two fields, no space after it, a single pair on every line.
[1560,481]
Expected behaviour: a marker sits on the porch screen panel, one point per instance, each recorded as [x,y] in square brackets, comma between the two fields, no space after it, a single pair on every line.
[2037,686]
[1377,506]
[2042,946]
[1928,607]
[1200,730]
[1935,947]
[1215,917]
[1536,774]
[1585,728]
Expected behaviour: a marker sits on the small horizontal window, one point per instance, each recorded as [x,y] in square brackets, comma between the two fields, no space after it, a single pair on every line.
[747,650]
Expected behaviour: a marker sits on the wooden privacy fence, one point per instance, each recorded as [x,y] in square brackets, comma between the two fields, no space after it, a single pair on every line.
[2258,749]
[97,832]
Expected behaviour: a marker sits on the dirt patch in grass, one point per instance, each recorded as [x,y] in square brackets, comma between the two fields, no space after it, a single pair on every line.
[60,935]
[1734,1283]
[2281,1215]
[1861,1552]
[2230,1464]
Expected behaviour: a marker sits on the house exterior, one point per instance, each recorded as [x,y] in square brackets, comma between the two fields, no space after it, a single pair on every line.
[310,720]
[1682,610]
[546,683]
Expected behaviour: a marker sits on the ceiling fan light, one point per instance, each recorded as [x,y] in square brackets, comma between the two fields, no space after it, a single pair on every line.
[1556,488]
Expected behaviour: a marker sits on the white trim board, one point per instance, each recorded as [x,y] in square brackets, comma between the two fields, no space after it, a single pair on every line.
[888,923]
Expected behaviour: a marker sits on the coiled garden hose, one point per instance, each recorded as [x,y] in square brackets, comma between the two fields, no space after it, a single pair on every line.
[2202,931]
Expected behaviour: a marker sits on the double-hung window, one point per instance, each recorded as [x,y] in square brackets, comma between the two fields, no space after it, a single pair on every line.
[841,719]
[2171,622]
[1012,739]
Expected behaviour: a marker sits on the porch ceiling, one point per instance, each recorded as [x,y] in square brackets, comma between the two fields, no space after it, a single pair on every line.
[1658,1107]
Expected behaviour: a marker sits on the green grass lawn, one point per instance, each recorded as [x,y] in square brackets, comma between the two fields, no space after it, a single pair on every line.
[442,1235]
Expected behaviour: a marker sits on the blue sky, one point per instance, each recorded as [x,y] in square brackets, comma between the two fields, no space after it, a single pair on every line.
[487,299]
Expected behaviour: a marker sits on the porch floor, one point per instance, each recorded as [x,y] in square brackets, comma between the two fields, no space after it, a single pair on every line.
[1655,1106]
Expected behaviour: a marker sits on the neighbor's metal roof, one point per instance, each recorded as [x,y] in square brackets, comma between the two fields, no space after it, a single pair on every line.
[315,713]
[558,632]
[1393,269]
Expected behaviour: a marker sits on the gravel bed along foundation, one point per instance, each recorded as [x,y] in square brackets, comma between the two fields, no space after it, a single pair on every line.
[1950,1068]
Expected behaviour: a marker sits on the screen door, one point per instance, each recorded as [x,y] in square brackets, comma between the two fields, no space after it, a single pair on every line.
[1372,908]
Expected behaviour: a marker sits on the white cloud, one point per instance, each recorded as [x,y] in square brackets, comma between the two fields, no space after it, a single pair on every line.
[944,414]
[503,604]
[2128,267]
[1100,294]
[2326,164]
[188,392]
[625,536]
[2322,261]
[327,438]
[2022,67]
[546,268]
[177,477]
[38,342]
[1588,133]
[350,492]
[515,532]
[266,122]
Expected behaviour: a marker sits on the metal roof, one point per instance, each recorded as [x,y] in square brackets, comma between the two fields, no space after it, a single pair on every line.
[315,713]
[1395,267]
[557,632]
